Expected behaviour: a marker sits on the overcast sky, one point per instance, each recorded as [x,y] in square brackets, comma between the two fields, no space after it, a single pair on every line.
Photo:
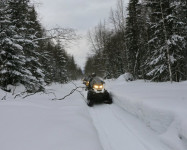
[81,15]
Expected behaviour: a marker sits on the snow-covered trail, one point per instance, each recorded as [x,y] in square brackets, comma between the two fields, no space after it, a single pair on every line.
[118,130]
[144,116]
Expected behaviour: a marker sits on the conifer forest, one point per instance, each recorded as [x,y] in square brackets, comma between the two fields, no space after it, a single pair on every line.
[29,54]
[147,39]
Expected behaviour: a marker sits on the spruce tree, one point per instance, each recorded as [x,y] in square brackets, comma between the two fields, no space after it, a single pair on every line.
[71,68]
[24,23]
[167,41]
[12,58]
[178,38]
[131,37]
[61,63]
[47,61]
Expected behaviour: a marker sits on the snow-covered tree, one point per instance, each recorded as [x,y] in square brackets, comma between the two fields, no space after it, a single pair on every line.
[22,19]
[132,38]
[60,57]
[150,43]
[12,58]
[178,39]
[167,43]
[19,58]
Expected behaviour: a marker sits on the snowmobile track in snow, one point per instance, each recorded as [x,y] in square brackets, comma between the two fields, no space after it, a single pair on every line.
[118,130]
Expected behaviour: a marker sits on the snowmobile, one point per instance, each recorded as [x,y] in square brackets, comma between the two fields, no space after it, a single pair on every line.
[97,93]
[86,82]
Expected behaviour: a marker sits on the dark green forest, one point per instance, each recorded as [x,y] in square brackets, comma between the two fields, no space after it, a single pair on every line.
[147,39]
[30,54]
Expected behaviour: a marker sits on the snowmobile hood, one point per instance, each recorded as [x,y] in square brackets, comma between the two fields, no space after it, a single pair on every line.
[97,81]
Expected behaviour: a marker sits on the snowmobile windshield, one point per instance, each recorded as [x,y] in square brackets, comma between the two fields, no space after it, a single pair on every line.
[97,81]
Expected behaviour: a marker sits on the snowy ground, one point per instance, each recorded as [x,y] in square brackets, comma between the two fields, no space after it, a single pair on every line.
[38,123]
[144,116]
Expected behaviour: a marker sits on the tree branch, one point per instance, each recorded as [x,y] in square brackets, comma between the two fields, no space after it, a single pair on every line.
[22,93]
[59,33]
[4,97]
[77,87]
[66,95]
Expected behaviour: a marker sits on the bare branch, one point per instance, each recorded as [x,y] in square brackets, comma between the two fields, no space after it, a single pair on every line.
[77,87]
[64,34]
[30,94]
[20,94]
[67,94]
[113,19]
[117,17]
[46,92]
[90,38]
[4,97]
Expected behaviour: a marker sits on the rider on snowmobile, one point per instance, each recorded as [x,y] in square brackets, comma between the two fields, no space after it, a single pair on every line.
[96,91]
[93,75]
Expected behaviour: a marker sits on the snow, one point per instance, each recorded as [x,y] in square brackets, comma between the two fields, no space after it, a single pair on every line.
[126,77]
[161,106]
[118,130]
[8,41]
[16,89]
[144,116]
[3,71]
[38,123]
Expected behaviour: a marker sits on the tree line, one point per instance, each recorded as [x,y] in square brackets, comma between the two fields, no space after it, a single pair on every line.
[147,39]
[30,54]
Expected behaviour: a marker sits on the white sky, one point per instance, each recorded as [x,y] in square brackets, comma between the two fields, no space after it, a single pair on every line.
[81,15]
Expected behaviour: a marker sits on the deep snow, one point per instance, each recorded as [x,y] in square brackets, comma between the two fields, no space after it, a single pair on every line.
[38,123]
[144,116]
[161,106]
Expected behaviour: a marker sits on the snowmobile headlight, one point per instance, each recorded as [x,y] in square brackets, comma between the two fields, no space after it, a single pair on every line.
[101,86]
[96,86]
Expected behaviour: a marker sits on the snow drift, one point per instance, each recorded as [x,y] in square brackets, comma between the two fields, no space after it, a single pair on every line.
[38,123]
[161,106]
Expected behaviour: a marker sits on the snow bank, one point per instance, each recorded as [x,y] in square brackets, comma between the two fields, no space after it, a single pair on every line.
[38,123]
[127,77]
[161,106]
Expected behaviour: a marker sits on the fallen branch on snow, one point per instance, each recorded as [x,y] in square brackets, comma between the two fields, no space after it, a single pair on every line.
[30,94]
[45,92]
[19,94]
[4,97]
[68,94]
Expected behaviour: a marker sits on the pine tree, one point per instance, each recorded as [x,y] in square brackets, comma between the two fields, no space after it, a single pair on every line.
[178,38]
[61,62]
[167,42]
[19,57]
[71,68]
[143,38]
[73,71]
[12,59]
[47,61]
[24,23]
[114,53]
[132,35]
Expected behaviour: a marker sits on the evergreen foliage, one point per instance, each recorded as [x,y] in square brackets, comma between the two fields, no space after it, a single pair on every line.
[12,58]
[150,43]
[23,58]
[131,36]
[167,41]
